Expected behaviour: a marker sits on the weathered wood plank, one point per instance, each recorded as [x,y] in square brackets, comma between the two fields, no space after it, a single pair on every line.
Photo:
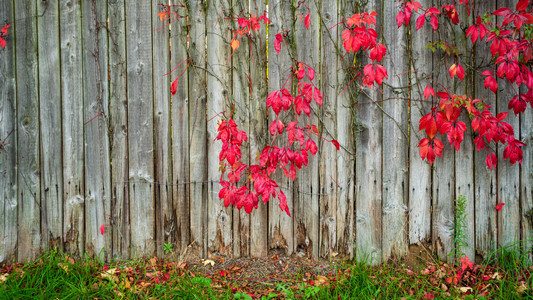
[28,161]
[219,218]
[419,170]
[328,152]
[368,169]
[280,225]
[8,137]
[97,156]
[485,179]
[395,139]
[119,129]
[50,124]
[508,176]
[240,101]
[346,156]
[464,158]
[198,130]
[526,176]
[162,131]
[72,126]
[307,42]
[141,128]
[258,135]
[180,135]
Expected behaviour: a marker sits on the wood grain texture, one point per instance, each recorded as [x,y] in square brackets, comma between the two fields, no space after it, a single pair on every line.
[280,225]
[395,138]
[328,153]
[28,156]
[141,129]
[8,150]
[346,156]
[97,154]
[419,170]
[307,41]
[526,178]
[119,130]
[198,129]
[72,127]
[508,176]
[50,124]
[258,134]
[368,169]
[162,131]
[219,218]
[180,222]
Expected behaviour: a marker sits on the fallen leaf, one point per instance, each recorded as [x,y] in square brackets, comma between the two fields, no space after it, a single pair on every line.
[64,267]
[522,288]
[465,289]
[3,278]
[208,261]
[321,280]
[496,276]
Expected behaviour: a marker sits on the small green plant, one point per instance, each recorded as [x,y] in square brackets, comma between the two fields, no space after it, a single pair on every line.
[459,238]
[202,281]
[168,248]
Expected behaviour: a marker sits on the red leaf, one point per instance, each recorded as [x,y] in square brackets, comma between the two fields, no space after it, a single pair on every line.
[2,42]
[277,42]
[283,202]
[434,22]
[174,87]
[491,160]
[428,91]
[307,21]
[102,229]
[460,72]
[336,144]
[429,296]
[522,5]
[420,21]
[310,73]
[310,145]
[499,206]
[400,17]
[503,11]
[453,71]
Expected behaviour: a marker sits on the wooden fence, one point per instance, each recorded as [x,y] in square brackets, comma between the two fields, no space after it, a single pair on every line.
[93,136]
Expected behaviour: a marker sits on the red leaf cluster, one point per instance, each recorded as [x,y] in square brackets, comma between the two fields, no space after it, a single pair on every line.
[3,34]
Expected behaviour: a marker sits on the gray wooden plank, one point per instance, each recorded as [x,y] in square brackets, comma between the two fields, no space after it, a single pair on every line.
[97,156]
[8,136]
[508,176]
[395,139]
[240,101]
[485,179]
[219,218]
[280,225]
[307,43]
[50,125]
[419,170]
[464,158]
[118,109]
[526,178]
[141,128]
[198,130]
[180,134]
[328,152]
[72,127]
[28,160]
[346,155]
[258,134]
[162,132]
[368,169]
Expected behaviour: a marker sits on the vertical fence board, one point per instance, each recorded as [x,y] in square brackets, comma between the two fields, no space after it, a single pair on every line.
[280,225]
[72,126]
[240,72]
[162,131]
[28,162]
[345,157]
[464,158]
[119,129]
[219,218]
[307,51]
[508,175]
[141,128]
[97,168]
[198,129]
[50,120]
[526,176]
[8,137]
[419,170]
[484,179]
[180,134]
[369,169]
[328,153]
[258,128]
[395,139]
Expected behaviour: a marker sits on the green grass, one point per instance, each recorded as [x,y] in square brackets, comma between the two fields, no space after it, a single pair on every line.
[507,274]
